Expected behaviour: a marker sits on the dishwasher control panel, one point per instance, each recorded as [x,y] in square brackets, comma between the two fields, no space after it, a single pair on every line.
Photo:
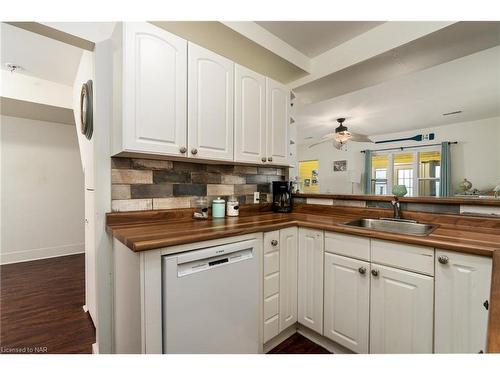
[190,267]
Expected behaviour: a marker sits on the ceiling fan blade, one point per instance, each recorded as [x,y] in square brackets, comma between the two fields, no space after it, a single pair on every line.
[320,142]
[355,137]
[328,136]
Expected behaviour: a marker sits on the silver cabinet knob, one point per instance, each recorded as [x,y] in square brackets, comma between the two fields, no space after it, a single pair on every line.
[375,273]
[183,150]
[443,259]
[263,159]
[362,270]
[194,151]
[269,159]
[274,242]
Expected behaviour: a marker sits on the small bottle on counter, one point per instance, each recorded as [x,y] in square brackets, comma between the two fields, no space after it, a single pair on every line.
[218,207]
[233,207]
[201,208]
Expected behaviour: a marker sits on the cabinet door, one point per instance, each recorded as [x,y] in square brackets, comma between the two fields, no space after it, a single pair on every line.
[462,288]
[401,319]
[278,119]
[347,302]
[310,282]
[155,90]
[210,104]
[271,284]
[288,277]
[249,116]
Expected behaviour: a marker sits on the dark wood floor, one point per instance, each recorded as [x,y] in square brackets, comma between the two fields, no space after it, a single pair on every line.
[298,344]
[41,307]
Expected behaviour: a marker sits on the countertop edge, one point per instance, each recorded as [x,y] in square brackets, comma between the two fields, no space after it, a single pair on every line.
[136,246]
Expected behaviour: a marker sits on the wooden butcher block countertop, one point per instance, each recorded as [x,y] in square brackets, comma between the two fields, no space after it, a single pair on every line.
[479,235]
[148,230]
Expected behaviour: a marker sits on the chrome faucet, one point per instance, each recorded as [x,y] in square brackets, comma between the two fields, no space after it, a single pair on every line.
[396,205]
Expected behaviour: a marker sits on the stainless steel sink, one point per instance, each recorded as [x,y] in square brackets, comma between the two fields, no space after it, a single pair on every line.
[394,226]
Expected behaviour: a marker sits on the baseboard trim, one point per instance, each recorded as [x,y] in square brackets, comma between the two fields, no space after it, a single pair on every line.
[275,341]
[85,308]
[95,348]
[41,253]
[326,343]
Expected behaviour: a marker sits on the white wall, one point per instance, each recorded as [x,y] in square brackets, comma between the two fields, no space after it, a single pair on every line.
[33,89]
[42,191]
[475,157]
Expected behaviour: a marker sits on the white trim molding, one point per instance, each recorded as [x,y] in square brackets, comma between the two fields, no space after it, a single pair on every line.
[8,257]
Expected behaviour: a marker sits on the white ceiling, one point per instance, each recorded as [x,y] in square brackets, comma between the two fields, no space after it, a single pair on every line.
[92,31]
[413,101]
[312,38]
[39,56]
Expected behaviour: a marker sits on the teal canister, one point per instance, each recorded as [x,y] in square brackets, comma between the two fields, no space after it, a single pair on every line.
[218,207]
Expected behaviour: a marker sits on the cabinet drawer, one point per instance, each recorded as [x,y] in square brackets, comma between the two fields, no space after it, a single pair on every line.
[408,257]
[271,284]
[350,246]
[271,263]
[271,306]
[271,241]
[271,328]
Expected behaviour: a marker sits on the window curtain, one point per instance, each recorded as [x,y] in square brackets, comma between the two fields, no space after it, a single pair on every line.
[445,183]
[368,172]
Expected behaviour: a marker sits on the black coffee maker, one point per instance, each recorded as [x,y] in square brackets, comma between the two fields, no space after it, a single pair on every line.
[282,196]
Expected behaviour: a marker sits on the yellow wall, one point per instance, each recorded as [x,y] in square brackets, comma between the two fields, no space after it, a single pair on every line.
[305,172]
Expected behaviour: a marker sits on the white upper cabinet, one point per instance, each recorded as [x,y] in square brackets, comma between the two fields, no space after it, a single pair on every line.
[154,92]
[462,301]
[310,282]
[288,277]
[401,317]
[249,116]
[347,302]
[278,120]
[210,104]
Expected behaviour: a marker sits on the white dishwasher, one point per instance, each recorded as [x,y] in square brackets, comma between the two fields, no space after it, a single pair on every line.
[211,300]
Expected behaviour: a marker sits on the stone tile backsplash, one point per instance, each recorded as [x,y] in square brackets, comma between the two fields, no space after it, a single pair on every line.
[143,184]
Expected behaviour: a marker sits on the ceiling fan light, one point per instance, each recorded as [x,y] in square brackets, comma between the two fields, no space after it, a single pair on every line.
[342,137]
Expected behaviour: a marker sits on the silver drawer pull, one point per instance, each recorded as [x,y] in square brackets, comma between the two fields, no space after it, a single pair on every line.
[443,259]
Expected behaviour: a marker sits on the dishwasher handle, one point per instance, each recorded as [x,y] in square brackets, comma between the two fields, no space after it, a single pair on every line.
[210,252]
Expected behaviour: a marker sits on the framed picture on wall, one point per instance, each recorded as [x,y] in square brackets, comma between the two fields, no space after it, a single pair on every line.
[340,165]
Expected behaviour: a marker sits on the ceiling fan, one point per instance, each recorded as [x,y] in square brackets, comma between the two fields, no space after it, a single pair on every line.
[341,136]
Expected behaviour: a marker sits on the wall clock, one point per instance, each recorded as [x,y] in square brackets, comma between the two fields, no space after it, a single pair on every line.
[86,110]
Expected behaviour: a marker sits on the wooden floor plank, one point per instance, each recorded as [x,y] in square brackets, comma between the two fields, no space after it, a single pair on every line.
[41,307]
[298,344]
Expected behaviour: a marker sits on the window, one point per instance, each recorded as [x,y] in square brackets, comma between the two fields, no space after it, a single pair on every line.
[418,170]
[380,165]
[403,170]
[405,177]
[429,173]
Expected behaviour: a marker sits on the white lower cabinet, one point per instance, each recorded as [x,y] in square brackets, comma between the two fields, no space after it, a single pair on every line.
[401,305]
[384,297]
[310,282]
[288,277]
[347,302]
[462,300]
[280,281]
[271,284]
